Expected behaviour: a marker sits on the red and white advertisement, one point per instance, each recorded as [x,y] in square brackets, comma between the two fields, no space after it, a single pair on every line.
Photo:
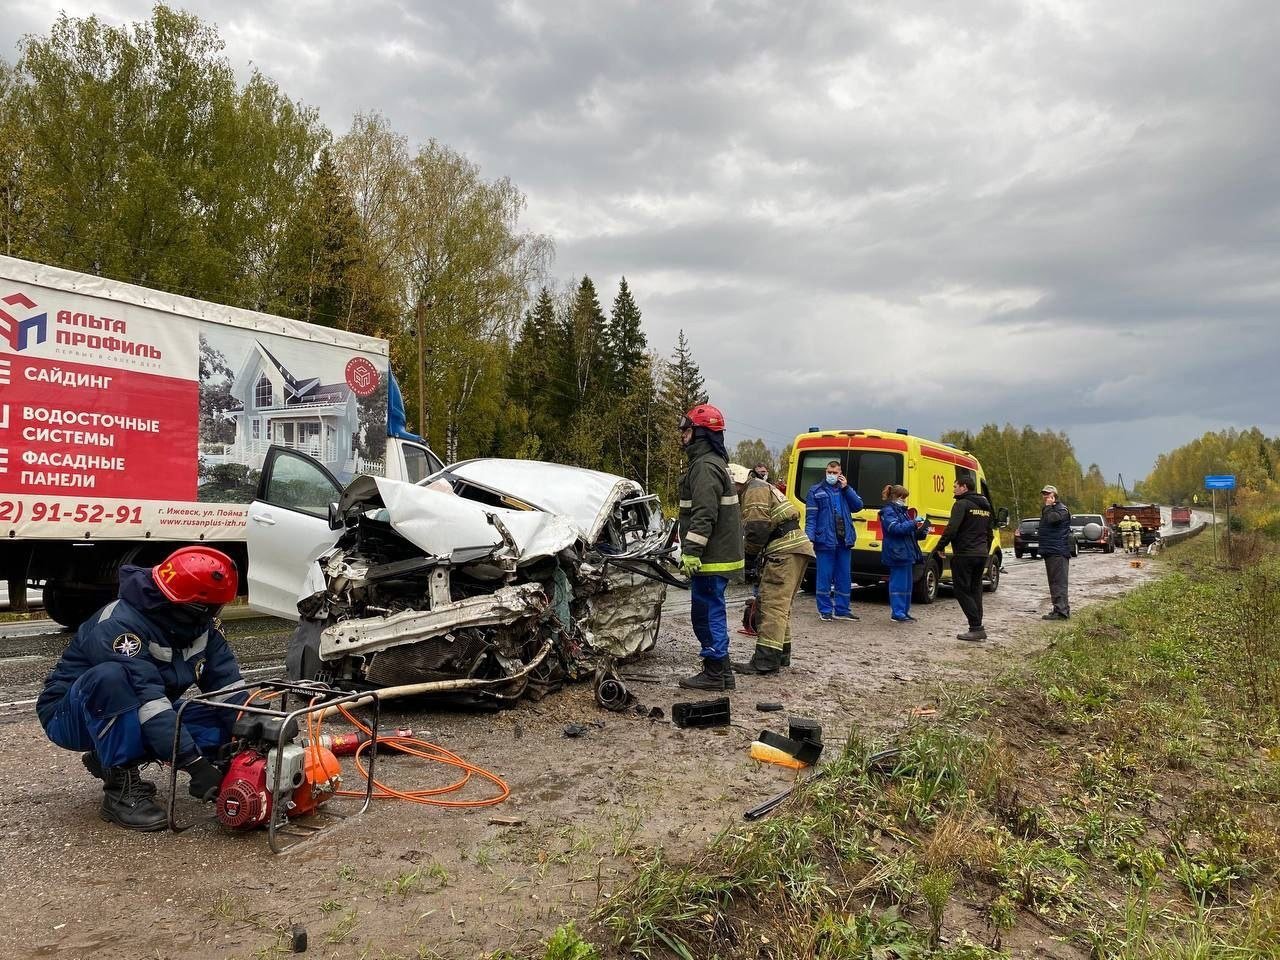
[120,420]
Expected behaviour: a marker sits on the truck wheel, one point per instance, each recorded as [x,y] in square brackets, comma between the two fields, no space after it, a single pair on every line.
[71,607]
[993,581]
[926,588]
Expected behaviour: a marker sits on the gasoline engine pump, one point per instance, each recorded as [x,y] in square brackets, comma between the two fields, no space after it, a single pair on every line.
[273,778]
[307,776]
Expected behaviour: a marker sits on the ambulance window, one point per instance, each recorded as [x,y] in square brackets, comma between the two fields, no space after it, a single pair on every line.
[872,471]
[968,477]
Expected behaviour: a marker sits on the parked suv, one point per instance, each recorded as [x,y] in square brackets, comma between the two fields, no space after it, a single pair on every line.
[1026,539]
[1092,532]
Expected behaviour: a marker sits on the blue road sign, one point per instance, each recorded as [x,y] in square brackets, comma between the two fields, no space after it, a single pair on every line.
[1225,481]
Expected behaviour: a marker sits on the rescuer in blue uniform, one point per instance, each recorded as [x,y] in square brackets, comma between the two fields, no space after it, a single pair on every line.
[828,523]
[113,692]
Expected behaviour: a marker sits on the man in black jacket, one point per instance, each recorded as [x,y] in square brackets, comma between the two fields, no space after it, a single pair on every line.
[1055,547]
[969,532]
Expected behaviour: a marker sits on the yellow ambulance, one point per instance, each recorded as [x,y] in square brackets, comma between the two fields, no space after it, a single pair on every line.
[872,459]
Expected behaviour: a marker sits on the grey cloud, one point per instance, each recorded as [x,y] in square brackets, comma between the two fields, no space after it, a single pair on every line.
[1006,190]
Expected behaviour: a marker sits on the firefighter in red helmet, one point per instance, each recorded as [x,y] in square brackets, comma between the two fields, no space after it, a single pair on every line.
[710,541]
[112,694]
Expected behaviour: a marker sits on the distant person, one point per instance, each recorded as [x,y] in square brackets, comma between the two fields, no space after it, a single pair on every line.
[969,533]
[1131,530]
[778,550]
[900,536]
[1055,547]
[828,523]
[710,541]
[761,471]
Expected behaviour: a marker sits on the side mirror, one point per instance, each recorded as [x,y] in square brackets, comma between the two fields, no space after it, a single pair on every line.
[1002,517]
[335,517]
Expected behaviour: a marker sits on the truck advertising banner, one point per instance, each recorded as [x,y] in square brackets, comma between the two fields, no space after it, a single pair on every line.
[125,420]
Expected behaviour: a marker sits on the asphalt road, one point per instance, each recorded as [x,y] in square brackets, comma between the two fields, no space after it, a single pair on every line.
[29,649]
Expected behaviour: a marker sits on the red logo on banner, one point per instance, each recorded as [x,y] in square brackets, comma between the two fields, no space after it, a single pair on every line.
[362,376]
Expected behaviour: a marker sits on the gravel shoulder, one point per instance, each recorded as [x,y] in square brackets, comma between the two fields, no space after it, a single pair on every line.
[405,879]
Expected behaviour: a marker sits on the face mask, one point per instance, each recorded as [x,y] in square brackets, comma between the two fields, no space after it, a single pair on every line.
[901,501]
[762,474]
[833,479]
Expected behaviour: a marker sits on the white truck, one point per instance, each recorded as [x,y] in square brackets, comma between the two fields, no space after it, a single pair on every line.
[133,421]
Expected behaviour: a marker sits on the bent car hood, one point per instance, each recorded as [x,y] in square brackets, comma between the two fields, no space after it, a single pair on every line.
[584,496]
[447,526]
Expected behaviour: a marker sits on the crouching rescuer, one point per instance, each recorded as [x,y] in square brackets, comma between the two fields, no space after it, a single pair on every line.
[112,694]
[710,541]
[779,551]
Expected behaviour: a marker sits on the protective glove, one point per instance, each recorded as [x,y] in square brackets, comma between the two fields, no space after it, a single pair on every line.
[205,779]
[690,565]
[751,572]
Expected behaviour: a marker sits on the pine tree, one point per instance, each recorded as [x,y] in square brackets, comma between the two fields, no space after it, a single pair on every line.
[587,333]
[683,386]
[628,343]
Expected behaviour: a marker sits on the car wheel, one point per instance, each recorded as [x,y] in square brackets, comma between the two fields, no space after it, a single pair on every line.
[1017,553]
[993,580]
[926,588]
[1075,549]
[1033,554]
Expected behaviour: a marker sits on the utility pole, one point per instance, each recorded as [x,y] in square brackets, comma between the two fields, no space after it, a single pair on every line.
[420,322]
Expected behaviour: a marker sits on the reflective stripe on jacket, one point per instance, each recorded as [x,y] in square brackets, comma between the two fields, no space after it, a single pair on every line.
[821,507]
[710,517]
[766,511]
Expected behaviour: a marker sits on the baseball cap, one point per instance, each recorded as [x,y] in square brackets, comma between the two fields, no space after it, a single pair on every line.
[1049,488]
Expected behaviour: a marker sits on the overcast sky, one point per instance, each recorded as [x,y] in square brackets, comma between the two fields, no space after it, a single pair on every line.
[914,214]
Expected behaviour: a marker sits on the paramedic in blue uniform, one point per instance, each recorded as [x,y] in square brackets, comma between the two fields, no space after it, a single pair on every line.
[113,694]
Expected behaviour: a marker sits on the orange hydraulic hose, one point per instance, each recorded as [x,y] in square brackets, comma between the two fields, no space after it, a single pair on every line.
[415,747]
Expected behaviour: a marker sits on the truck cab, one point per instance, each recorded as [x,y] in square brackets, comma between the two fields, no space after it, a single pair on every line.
[872,459]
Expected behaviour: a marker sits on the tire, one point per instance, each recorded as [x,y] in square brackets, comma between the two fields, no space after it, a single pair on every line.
[1033,554]
[925,589]
[71,607]
[994,584]
[1075,549]
[1018,554]
[1108,547]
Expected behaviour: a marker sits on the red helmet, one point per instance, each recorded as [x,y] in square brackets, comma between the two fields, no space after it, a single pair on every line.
[703,415]
[197,575]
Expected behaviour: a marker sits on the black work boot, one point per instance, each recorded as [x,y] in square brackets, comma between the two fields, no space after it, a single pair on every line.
[763,661]
[715,675]
[974,633]
[785,659]
[94,766]
[126,801]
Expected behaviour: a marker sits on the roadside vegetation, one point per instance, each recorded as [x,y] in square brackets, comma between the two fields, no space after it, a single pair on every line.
[1118,797]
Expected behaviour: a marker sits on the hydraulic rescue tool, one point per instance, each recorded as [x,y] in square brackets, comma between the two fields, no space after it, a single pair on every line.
[270,778]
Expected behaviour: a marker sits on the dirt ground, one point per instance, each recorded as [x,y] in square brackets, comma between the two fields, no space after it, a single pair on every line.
[408,880]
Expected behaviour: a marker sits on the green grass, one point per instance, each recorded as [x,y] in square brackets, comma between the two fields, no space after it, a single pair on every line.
[1123,789]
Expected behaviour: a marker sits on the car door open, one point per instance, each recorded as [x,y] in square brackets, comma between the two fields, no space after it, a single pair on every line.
[288,528]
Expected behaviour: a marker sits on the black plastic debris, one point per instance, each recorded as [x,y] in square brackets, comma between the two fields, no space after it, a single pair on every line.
[806,751]
[768,706]
[802,729]
[703,713]
[575,730]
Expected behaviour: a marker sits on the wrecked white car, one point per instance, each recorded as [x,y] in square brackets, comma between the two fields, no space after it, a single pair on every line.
[490,580]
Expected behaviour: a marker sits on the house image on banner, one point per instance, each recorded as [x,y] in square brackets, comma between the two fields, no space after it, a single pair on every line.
[275,406]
